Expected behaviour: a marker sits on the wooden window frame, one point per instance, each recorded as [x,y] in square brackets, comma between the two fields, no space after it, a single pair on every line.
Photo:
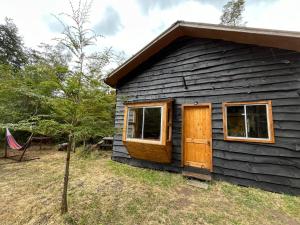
[143,121]
[268,104]
[165,121]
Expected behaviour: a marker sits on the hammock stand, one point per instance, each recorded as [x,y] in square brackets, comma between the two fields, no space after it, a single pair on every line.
[11,142]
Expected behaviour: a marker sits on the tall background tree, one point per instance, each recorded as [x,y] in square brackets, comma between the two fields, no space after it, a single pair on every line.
[232,13]
[16,103]
[11,45]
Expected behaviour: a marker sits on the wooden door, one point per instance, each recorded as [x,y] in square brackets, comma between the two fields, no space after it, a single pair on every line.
[197,136]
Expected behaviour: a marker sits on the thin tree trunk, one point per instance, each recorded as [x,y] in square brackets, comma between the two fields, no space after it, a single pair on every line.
[84,144]
[5,150]
[64,201]
[74,144]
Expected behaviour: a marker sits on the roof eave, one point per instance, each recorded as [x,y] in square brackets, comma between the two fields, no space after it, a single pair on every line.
[262,37]
[171,34]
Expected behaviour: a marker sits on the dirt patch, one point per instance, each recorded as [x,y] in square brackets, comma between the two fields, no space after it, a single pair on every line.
[284,219]
[186,191]
[181,203]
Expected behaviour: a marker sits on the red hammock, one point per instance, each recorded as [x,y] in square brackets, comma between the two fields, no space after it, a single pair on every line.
[13,144]
[11,141]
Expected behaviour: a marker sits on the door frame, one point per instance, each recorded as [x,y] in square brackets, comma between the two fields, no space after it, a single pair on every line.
[183,107]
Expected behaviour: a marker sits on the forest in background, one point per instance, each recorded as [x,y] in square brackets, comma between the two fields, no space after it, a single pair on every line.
[56,90]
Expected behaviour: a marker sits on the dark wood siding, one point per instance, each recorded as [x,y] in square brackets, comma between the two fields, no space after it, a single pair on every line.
[216,71]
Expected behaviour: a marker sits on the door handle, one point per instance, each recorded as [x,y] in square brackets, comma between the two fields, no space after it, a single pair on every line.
[208,142]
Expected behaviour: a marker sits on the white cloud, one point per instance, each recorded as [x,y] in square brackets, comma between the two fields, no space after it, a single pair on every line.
[29,17]
[139,29]
[281,14]
[36,25]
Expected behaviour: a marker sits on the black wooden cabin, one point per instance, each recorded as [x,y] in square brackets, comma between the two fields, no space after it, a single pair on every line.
[212,101]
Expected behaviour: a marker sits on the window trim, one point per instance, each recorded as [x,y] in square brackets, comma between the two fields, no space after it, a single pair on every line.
[268,104]
[165,106]
[143,122]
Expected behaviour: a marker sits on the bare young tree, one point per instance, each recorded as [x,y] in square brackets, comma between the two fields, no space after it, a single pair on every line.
[76,37]
[232,13]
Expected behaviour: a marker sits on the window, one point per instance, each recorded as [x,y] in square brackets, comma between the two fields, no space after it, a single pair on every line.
[147,131]
[148,122]
[144,123]
[248,121]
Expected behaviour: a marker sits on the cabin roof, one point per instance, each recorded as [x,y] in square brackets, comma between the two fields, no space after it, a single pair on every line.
[263,37]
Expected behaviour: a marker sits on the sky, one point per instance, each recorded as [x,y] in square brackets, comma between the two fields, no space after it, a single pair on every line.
[129,25]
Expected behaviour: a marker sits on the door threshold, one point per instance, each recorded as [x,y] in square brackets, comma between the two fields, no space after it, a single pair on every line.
[197,173]
[198,183]
[198,176]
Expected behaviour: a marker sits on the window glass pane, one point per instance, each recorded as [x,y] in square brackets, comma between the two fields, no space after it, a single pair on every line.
[236,121]
[152,123]
[257,121]
[135,123]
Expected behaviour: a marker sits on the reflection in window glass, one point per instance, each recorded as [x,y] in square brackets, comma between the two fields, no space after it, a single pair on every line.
[236,121]
[144,123]
[152,123]
[135,123]
[257,121]
[247,121]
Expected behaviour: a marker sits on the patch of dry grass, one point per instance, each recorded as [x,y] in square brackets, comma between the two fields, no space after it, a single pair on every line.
[106,192]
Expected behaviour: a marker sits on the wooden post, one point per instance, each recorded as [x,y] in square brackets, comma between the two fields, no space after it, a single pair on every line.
[5,148]
[23,153]
[26,146]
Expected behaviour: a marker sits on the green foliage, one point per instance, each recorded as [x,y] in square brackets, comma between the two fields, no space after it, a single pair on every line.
[56,55]
[232,13]
[17,100]
[51,96]
[11,45]
[25,93]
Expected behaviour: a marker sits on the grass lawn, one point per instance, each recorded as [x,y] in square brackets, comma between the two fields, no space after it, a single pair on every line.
[105,192]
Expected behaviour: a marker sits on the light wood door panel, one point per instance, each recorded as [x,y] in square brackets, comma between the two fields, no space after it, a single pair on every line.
[197,136]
